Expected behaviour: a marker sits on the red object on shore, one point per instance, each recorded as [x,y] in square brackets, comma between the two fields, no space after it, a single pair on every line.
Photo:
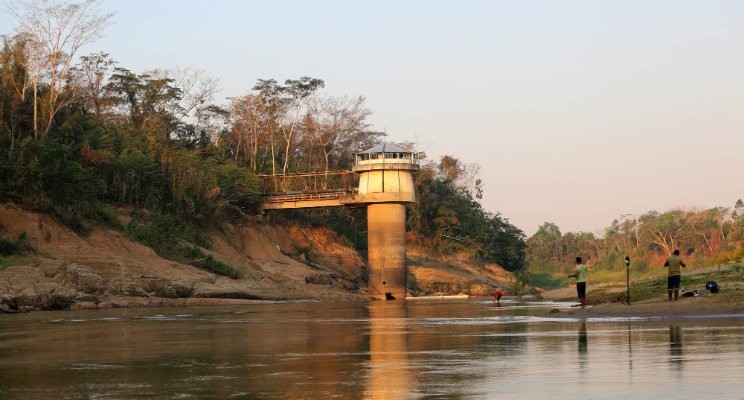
[497,295]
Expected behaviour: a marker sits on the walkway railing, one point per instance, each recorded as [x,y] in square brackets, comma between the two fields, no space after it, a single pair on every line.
[307,196]
[309,186]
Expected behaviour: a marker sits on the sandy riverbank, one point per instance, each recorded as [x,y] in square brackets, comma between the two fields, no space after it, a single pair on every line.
[704,306]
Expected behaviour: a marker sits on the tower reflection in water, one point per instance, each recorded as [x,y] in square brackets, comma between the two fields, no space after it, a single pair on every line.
[390,375]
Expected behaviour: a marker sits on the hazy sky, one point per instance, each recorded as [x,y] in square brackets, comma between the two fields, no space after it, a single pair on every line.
[577,112]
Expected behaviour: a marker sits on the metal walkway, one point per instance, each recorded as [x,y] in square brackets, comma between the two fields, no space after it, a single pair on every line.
[316,189]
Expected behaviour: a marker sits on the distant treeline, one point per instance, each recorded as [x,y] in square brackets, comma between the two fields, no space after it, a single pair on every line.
[77,140]
[705,237]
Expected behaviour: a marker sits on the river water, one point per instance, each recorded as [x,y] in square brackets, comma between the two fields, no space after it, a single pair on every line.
[426,349]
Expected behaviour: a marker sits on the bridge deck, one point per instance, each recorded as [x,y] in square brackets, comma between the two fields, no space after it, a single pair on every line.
[334,194]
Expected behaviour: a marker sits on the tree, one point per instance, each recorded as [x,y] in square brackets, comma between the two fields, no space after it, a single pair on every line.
[13,85]
[737,223]
[272,104]
[548,238]
[196,88]
[55,31]
[334,124]
[298,91]
[89,77]
[738,209]
[249,128]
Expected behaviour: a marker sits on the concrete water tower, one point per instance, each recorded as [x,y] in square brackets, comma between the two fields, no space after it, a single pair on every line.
[386,186]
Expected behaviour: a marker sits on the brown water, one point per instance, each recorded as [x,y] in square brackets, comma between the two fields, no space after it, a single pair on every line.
[467,349]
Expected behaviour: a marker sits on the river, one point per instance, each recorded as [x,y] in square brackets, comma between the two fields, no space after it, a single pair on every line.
[426,349]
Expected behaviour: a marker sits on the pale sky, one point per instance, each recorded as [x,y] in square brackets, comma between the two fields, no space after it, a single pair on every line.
[577,112]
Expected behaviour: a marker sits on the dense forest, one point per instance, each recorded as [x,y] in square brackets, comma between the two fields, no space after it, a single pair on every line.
[81,135]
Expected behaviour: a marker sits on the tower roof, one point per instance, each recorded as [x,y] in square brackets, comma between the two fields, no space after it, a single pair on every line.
[384,148]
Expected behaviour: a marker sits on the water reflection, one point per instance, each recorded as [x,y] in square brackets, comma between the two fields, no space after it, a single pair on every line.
[583,345]
[582,338]
[675,345]
[390,375]
[630,350]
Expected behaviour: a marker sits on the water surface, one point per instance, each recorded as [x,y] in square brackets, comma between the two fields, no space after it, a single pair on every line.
[464,349]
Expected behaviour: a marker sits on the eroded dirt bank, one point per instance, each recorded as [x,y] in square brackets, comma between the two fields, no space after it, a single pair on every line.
[106,269]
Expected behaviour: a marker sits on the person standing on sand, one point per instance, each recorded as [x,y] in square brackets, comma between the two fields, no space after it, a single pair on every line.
[580,275]
[674,278]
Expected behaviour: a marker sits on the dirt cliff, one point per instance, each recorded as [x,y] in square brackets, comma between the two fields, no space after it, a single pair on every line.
[107,269]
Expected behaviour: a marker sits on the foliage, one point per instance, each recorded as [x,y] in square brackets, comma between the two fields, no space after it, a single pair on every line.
[170,239]
[45,174]
[520,284]
[206,262]
[547,281]
[705,237]
[19,245]
[165,234]
[447,216]
[349,223]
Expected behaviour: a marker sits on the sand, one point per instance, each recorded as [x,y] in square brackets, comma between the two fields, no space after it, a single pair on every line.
[704,306]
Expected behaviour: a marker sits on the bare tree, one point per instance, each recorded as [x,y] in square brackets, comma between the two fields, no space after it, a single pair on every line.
[89,77]
[298,90]
[335,122]
[246,127]
[197,89]
[56,30]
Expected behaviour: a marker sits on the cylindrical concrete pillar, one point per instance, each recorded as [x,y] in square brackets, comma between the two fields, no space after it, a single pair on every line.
[386,245]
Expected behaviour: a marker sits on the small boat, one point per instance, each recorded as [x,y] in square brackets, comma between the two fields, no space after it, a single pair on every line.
[440,297]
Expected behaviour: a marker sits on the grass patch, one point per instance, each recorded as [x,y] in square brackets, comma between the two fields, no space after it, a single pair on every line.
[165,234]
[108,216]
[18,245]
[657,287]
[6,262]
[171,239]
[206,262]
[547,281]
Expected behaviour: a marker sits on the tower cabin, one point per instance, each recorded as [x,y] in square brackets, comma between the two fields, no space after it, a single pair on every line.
[385,174]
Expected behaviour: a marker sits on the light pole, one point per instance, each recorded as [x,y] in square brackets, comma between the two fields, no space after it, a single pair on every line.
[627,276]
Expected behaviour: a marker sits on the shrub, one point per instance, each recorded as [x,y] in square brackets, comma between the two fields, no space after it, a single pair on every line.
[169,239]
[164,234]
[215,266]
[18,245]
[547,281]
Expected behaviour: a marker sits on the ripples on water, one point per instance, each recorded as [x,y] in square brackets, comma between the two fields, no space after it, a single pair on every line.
[467,349]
